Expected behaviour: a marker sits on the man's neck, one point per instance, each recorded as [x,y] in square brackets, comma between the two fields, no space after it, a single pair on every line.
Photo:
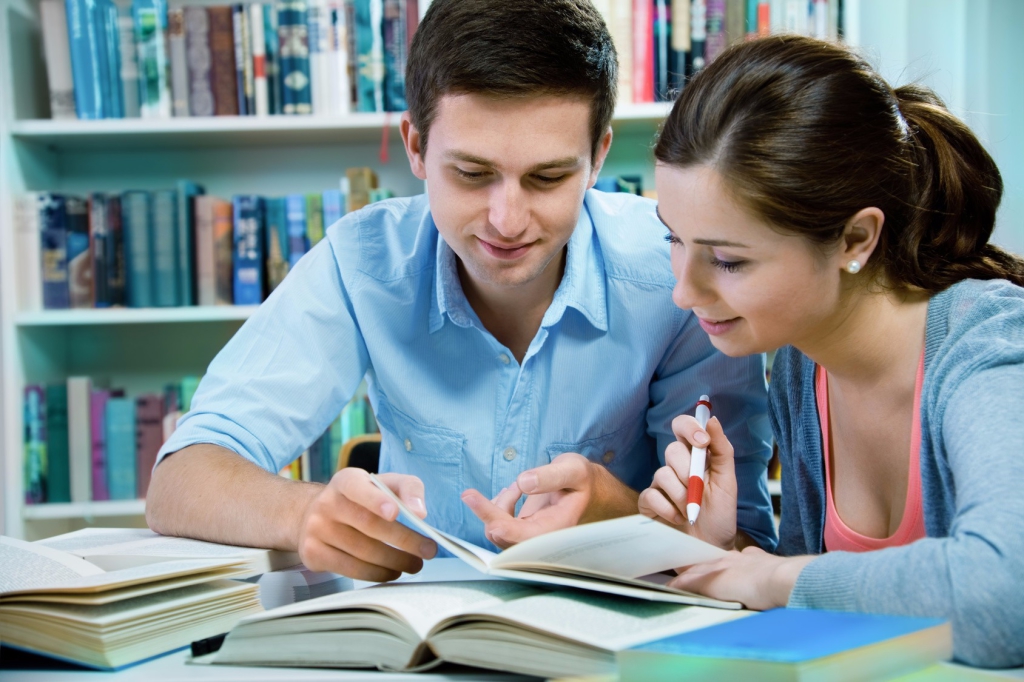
[513,314]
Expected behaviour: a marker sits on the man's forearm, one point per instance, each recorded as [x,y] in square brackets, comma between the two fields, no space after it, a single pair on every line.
[612,498]
[210,493]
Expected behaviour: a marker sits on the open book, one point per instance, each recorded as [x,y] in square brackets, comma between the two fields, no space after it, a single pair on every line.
[505,625]
[61,605]
[621,556]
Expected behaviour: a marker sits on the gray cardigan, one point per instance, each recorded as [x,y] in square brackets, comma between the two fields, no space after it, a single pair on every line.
[970,568]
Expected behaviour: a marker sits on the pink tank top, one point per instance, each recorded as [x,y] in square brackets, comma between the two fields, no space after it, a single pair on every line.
[838,536]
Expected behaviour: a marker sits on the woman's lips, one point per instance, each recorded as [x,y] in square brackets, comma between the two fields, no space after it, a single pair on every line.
[718,327]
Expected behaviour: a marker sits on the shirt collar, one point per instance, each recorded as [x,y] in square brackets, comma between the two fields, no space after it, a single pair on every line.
[582,286]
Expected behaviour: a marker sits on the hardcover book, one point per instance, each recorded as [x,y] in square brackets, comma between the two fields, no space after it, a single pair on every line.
[129,60]
[178,60]
[340,72]
[334,207]
[54,246]
[360,182]
[58,473]
[35,444]
[149,436]
[79,257]
[261,92]
[223,75]
[29,248]
[223,251]
[369,16]
[317,31]
[137,221]
[164,228]
[98,431]
[79,391]
[198,60]
[715,42]
[276,241]
[243,65]
[643,51]
[121,472]
[205,247]
[84,35]
[396,54]
[293,34]
[273,58]
[110,59]
[57,51]
[99,243]
[314,219]
[185,242]
[117,266]
[248,256]
[150,40]
[298,241]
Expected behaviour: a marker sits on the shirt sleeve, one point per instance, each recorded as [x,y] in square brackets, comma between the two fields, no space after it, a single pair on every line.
[739,394]
[971,577]
[286,375]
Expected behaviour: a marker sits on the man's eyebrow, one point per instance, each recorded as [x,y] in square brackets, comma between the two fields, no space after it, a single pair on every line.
[564,162]
[705,242]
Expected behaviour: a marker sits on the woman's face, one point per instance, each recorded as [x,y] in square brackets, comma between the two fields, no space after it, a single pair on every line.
[752,288]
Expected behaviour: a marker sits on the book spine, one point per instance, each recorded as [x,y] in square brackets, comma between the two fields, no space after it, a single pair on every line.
[164,230]
[764,18]
[698,35]
[715,42]
[149,432]
[79,257]
[369,15]
[247,73]
[318,89]
[643,51]
[28,248]
[197,59]
[276,242]
[341,88]
[334,207]
[99,240]
[117,275]
[680,48]
[295,214]
[136,218]
[98,449]
[206,267]
[57,52]
[84,50]
[349,7]
[186,265]
[662,50]
[35,444]
[237,41]
[735,21]
[248,256]
[179,62]
[150,36]
[120,427]
[222,62]
[273,58]
[750,16]
[396,56]
[293,33]
[258,40]
[110,40]
[54,246]
[360,182]
[79,438]
[58,474]
[223,251]
[129,59]
[314,219]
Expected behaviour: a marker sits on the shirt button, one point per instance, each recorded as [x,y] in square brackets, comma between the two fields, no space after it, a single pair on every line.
[408,445]
[505,359]
[509,454]
[608,457]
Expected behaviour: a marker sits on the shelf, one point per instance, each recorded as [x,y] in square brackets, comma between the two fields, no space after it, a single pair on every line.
[101,316]
[229,131]
[774,487]
[83,510]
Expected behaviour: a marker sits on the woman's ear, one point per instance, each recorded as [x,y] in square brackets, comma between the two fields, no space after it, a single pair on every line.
[860,238]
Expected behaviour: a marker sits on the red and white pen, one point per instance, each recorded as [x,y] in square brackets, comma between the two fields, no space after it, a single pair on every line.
[698,457]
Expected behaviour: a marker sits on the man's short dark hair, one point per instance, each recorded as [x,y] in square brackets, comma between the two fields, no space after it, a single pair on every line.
[512,48]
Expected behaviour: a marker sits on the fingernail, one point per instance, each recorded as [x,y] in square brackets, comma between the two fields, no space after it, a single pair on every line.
[701,437]
[497,536]
[527,482]
[388,509]
[417,505]
[428,549]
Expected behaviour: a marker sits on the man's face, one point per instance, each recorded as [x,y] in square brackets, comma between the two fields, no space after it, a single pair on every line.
[506,179]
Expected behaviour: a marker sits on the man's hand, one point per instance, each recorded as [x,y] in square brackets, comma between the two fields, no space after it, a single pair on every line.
[569,491]
[350,528]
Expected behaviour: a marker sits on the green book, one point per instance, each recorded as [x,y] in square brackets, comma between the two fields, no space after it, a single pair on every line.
[314,218]
[59,474]
[189,385]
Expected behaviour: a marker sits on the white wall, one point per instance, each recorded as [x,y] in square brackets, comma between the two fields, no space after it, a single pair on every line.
[972,54]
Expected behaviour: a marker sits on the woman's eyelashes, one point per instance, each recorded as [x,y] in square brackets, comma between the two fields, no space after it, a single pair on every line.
[671,238]
[727,265]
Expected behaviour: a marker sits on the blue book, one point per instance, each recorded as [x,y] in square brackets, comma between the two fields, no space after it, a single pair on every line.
[396,53]
[271,59]
[333,207]
[295,215]
[138,248]
[35,444]
[369,55]
[99,240]
[784,644]
[150,17]
[296,95]
[79,258]
[164,235]
[87,71]
[238,30]
[120,433]
[248,240]
[275,230]
[186,259]
[109,48]
[53,229]
[117,266]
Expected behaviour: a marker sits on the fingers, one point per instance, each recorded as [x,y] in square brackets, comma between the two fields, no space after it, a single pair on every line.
[654,504]
[488,512]
[409,490]
[687,430]
[355,485]
[508,498]
[721,450]
[677,461]
[371,540]
[567,471]
[319,556]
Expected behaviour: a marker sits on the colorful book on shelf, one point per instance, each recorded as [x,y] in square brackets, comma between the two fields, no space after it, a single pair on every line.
[298,241]
[57,51]
[679,44]
[28,248]
[98,451]
[276,233]
[662,42]
[698,34]
[359,183]
[293,33]
[258,41]
[243,61]
[117,263]
[34,456]
[318,32]
[716,40]
[189,386]
[273,58]
[58,474]
[314,218]
[333,207]
[84,35]
[185,241]
[793,644]
[129,59]
[178,59]
[340,85]
[149,436]
[369,16]
[223,252]
[198,62]
[164,231]
[121,471]
[79,257]
[54,240]
[110,57]
[643,51]
[79,397]
[137,225]
[150,39]
[99,243]
[395,26]
[248,253]
[223,75]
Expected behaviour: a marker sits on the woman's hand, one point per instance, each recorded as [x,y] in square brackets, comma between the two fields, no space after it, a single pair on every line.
[753,577]
[666,498]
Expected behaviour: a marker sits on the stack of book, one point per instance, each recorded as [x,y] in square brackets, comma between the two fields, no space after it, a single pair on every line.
[661,43]
[177,247]
[324,57]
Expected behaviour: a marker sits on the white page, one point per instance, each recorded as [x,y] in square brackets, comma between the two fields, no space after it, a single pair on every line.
[605,621]
[24,566]
[421,605]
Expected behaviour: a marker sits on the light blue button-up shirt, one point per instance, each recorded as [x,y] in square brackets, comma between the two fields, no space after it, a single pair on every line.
[612,364]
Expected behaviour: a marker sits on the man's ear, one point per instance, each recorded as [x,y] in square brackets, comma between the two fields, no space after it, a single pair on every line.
[860,238]
[602,153]
[413,146]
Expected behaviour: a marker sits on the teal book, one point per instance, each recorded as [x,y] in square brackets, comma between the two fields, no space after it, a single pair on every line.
[184,242]
[333,207]
[164,231]
[248,254]
[58,476]
[136,216]
[150,39]
[120,429]
[35,444]
[793,644]
[276,248]
[295,217]
[369,15]
[293,57]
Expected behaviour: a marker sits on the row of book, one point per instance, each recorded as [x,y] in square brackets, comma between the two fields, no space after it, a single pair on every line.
[324,57]
[86,443]
[177,247]
[661,43]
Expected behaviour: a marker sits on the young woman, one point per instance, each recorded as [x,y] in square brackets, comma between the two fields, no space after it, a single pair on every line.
[813,208]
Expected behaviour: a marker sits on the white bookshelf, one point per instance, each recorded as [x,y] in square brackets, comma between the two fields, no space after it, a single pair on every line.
[128,316]
[85,510]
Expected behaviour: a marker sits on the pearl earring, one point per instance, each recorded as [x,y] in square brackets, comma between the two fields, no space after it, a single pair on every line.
[853,267]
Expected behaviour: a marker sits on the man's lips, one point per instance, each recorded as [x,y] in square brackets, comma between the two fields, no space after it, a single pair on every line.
[506,251]
[717,327]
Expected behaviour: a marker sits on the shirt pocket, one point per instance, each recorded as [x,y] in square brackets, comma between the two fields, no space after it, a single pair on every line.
[431,453]
[625,452]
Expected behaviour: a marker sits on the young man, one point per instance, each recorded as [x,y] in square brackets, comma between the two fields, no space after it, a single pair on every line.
[517,331]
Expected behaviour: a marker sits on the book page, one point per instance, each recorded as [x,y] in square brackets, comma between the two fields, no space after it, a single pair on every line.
[631,546]
[420,605]
[25,566]
[603,621]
